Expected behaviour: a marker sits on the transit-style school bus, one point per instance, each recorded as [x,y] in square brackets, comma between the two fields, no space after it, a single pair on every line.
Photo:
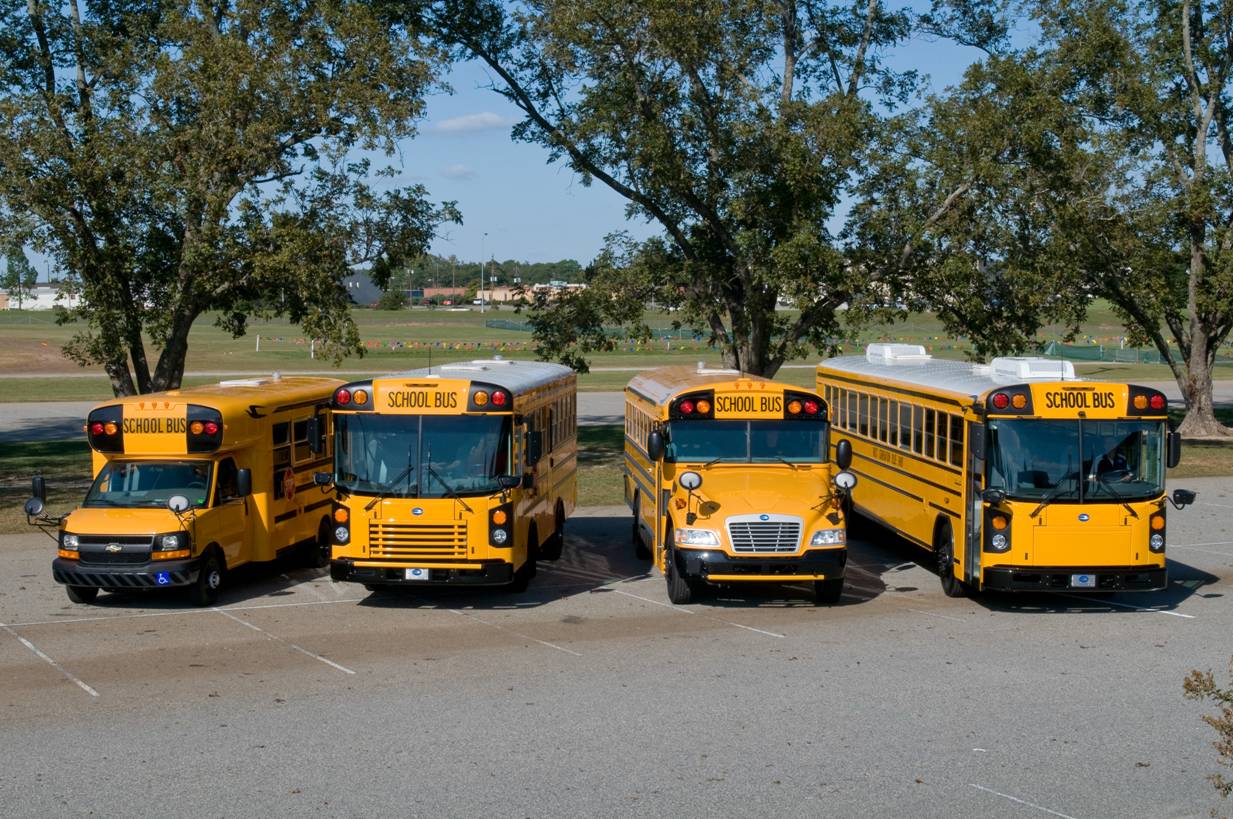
[460,474]
[1016,475]
[191,483]
[729,480]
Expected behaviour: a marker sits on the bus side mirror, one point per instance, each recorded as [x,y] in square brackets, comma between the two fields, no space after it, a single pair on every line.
[1183,497]
[323,478]
[38,488]
[34,507]
[243,482]
[655,445]
[178,504]
[993,496]
[316,435]
[528,481]
[509,481]
[843,454]
[535,447]
[1175,450]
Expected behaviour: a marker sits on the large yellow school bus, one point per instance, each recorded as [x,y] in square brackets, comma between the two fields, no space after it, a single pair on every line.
[191,483]
[462,474]
[729,481]
[1016,475]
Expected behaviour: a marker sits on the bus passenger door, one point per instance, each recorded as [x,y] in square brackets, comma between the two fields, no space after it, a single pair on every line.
[230,515]
[974,506]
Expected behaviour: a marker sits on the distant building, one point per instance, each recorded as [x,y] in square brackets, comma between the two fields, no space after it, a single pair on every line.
[40,297]
[361,290]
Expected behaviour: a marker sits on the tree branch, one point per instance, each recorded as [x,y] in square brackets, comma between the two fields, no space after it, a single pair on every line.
[858,64]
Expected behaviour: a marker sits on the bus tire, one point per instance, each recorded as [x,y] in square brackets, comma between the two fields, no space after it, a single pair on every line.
[944,549]
[640,549]
[204,591]
[317,553]
[680,589]
[81,594]
[827,592]
[555,544]
[524,573]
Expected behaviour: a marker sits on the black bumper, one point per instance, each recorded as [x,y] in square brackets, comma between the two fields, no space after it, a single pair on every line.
[1057,578]
[160,574]
[702,564]
[492,573]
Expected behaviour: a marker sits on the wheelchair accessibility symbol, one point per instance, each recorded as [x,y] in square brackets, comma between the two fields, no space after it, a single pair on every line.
[163,578]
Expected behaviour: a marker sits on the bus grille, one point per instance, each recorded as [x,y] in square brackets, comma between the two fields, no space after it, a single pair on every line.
[418,541]
[764,537]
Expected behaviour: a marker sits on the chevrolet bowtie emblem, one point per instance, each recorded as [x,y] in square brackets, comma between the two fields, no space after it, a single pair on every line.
[114,547]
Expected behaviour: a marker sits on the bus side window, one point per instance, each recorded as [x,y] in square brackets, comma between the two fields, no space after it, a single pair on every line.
[884,405]
[930,432]
[303,452]
[282,455]
[905,426]
[956,440]
[918,430]
[862,413]
[225,488]
[892,424]
[850,413]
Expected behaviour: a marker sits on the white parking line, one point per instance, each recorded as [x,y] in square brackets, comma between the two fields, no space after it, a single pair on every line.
[1103,602]
[500,627]
[683,610]
[287,643]
[1021,801]
[80,684]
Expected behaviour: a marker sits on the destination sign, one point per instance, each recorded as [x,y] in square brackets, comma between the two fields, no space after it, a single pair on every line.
[420,399]
[748,404]
[156,426]
[444,397]
[1080,399]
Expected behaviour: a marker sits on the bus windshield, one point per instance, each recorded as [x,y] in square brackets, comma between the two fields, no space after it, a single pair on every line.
[421,456]
[751,441]
[150,483]
[1077,460]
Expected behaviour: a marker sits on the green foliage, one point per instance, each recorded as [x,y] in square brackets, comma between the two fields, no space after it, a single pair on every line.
[1201,686]
[177,158]
[734,125]
[20,277]
[392,299]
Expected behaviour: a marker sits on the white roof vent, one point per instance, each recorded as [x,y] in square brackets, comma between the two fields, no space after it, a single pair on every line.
[1013,369]
[704,370]
[895,353]
[497,360]
[474,367]
[245,382]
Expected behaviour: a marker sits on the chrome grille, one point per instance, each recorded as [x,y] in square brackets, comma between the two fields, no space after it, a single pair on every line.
[764,537]
[418,541]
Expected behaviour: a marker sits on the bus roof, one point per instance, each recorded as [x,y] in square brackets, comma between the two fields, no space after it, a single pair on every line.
[243,391]
[661,384]
[515,376]
[910,364]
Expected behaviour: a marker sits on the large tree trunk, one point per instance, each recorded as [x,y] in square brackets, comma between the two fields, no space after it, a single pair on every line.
[170,369]
[1196,385]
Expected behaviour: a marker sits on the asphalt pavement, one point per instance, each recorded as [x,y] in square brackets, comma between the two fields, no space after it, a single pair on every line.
[591,694]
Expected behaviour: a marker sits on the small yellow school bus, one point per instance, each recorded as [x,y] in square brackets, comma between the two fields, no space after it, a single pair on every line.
[729,480]
[460,474]
[1016,475]
[191,483]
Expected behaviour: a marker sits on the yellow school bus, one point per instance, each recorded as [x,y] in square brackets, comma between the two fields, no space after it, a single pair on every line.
[460,474]
[191,483]
[1015,474]
[729,481]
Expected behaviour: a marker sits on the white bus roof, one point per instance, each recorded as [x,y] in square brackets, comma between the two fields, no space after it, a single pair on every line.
[515,376]
[910,364]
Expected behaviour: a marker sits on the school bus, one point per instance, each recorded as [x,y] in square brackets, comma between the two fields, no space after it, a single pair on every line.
[191,483]
[729,481]
[1016,475]
[461,474]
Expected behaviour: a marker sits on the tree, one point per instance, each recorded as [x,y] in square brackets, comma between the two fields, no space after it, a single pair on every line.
[20,277]
[179,158]
[1098,163]
[734,125]
[1201,686]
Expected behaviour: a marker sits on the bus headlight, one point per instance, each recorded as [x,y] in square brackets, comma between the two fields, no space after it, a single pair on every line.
[68,542]
[499,536]
[172,542]
[827,537]
[1156,543]
[342,535]
[999,542]
[697,537]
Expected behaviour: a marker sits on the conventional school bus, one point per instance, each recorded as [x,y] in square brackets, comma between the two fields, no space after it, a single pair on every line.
[729,480]
[1016,475]
[462,474]
[191,483]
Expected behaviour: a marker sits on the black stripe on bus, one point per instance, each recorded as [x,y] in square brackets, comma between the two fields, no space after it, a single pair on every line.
[901,390]
[896,450]
[286,516]
[905,473]
[950,512]
[317,505]
[889,486]
[649,477]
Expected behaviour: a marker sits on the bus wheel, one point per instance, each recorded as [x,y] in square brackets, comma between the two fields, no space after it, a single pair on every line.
[209,580]
[640,550]
[81,594]
[944,548]
[680,589]
[555,544]
[317,552]
[827,592]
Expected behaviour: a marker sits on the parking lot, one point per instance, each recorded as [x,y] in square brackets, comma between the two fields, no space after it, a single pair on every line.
[592,694]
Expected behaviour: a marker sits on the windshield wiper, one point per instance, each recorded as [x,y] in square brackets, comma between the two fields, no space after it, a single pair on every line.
[1048,499]
[1120,497]
[391,486]
[449,490]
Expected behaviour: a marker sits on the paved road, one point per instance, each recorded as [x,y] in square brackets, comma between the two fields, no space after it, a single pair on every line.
[592,695]
[57,420]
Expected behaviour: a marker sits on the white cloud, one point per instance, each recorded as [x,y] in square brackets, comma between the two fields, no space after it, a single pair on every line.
[458,171]
[483,121]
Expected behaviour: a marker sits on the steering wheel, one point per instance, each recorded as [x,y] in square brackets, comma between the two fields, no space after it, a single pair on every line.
[196,485]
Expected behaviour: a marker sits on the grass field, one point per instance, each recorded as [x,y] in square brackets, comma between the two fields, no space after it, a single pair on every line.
[30,345]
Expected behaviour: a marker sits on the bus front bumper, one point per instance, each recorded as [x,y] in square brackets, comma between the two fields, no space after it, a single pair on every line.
[162,574]
[1063,578]
[718,567]
[473,573]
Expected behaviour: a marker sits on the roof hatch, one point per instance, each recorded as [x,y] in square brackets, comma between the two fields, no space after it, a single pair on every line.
[892,354]
[1013,369]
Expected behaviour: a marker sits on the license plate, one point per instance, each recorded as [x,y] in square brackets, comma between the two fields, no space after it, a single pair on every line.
[1083,581]
[417,574]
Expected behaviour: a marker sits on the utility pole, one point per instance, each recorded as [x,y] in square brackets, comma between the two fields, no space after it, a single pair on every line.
[483,262]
